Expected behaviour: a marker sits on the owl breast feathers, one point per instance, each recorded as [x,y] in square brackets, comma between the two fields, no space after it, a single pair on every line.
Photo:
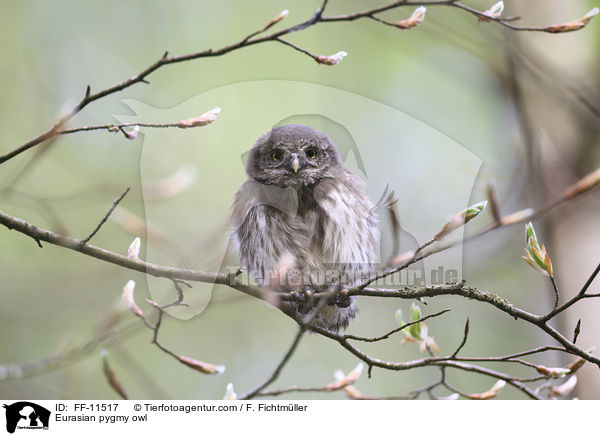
[300,203]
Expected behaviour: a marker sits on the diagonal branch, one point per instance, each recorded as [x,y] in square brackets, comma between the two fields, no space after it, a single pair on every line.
[185,274]
[152,269]
[580,295]
[250,40]
[104,218]
[428,361]
[290,352]
[396,330]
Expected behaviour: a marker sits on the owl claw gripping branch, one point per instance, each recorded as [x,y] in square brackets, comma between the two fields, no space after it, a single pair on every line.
[300,201]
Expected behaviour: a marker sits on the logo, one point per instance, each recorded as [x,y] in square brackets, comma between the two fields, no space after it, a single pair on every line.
[26,415]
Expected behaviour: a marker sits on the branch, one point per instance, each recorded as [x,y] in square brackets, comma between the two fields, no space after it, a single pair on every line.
[202,120]
[104,218]
[257,390]
[254,39]
[428,361]
[14,371]
[197,365]
[483,16]
[463,342]
[589,281]
[580,295]
[555,288]
[396,330]
[483,296]
[507,357]
[450,289]
[180,275]
[298,48]
[583,186]
[152,269]
[185,274]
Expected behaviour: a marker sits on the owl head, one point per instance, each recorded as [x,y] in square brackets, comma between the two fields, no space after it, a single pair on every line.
[293,155]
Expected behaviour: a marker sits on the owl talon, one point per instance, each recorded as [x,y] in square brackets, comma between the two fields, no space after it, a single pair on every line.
[305,299]
[343,299]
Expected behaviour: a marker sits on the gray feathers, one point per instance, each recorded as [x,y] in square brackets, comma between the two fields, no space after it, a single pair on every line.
[300,200]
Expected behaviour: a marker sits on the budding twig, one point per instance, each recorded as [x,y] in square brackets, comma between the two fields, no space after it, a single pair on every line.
[254,39]
[111,376]
[197,365]
[104,218]
[202,120]
[396,330]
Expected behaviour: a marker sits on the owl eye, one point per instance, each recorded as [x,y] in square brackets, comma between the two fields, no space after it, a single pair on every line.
[277,155]
[311,153]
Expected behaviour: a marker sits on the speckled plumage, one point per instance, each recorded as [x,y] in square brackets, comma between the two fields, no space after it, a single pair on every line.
[313,209]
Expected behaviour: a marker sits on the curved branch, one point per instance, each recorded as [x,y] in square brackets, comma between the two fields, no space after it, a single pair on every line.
[250,40]
[170,272]
[486,297]
[428,361]
[39,234]
[257,390]
[396,330]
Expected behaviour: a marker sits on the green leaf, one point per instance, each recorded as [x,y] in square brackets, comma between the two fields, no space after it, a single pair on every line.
[537,258]
[399,317]
[530,234]
[474,210]
[415,312]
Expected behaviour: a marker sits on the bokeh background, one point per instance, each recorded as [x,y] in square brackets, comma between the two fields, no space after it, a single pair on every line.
[527,105]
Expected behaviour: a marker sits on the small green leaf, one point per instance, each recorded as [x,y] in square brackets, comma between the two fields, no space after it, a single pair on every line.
[530,234]
[537,256]
[399,317]
[474,210]
[415,312]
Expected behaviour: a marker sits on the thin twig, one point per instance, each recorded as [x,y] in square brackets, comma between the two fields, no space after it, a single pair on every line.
[396,330]
[580,295]
[249,40]
[279,367]
[427,361]
[589,281]
[180,295]
[553,281]
[119,127]
[104,218]
[14,371]
[297,48]
[463,342]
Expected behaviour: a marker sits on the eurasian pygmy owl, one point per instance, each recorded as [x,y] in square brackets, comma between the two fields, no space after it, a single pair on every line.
[300,204]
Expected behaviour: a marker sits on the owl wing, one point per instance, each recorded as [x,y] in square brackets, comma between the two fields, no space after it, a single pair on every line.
[265,227]
[349,225]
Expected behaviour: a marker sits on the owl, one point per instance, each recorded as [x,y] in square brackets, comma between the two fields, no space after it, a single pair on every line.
[300,207]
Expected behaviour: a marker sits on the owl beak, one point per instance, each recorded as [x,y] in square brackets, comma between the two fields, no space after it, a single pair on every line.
[295,164]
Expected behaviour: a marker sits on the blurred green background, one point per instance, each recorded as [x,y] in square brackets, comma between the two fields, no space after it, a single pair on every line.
[526,104]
